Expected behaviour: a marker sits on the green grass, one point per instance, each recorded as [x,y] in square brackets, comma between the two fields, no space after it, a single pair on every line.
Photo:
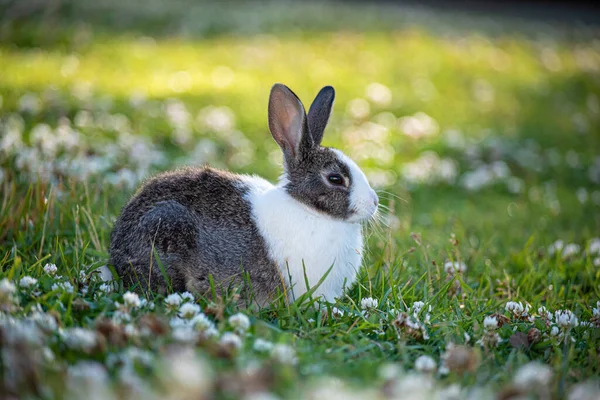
[134,90]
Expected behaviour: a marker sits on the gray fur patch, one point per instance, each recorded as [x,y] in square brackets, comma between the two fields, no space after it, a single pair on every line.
[199,224]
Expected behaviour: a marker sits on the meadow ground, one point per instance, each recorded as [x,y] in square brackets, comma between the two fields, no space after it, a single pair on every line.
[481,279]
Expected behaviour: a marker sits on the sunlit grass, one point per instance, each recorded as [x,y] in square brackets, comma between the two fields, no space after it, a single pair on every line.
[424,72]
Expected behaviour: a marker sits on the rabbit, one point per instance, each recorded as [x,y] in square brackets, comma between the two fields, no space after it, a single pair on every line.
[195,223]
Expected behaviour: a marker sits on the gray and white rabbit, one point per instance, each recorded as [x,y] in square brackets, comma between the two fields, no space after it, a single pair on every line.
[202,221]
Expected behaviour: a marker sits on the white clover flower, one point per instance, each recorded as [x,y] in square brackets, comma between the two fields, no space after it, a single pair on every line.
[47,322]
[186,375]
[202,323]
[389,371]
[478,179]
[64,286]
[132,300]
[131,382]
[517,309]
[284,354]
[124,177]
[173,301]
[410,326]
[177,322]
[358,108]
[565,319]
[417,306]
[554,331]
[412,386]
[262,346]
[336,312]
[187,296]
[143,302]
[88,377]
[570,250]
[490,339]
[379,93]
[50,269]
[185,334]
[533,374]
[586,390]
[239,322]
[121,317]
[30,102]
[427,319]
[596,310]
[189,310]
[490,323]
[556,247]
[261,396]
[131,330]
[7,288]
[218,119]
[368,302]
[526,315]
[142,357]
[543,312]
[582,195]
[425,364]
[211,333]
[452,267]
[515,185]
[27,282]
[514,307]
[105,288]
[79,338]
[17,330]
[230,339]
[451,392]
[48,355]
[594,246]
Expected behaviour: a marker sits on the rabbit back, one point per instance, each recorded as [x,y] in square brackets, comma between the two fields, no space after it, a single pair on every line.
[197,222]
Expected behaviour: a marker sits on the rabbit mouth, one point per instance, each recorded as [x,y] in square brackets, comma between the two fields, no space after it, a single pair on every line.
[361,215]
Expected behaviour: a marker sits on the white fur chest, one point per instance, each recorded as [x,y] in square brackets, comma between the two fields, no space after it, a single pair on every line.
[302,241]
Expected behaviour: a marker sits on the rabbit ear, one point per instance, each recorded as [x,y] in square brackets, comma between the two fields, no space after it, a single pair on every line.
[287,122]
[319,113]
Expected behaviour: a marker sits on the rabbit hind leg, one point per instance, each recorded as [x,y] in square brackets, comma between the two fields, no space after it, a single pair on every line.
[172,231]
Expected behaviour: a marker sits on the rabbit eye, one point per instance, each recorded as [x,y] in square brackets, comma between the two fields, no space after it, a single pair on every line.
[335,179]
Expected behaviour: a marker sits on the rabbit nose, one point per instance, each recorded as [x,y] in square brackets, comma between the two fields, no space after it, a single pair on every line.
[375,199]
